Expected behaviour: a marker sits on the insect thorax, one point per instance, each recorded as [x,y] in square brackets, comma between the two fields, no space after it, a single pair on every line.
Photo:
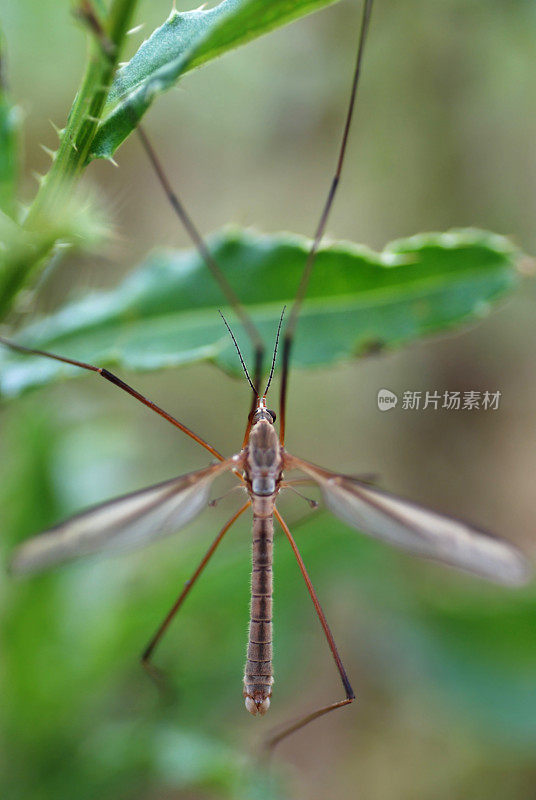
[263,462]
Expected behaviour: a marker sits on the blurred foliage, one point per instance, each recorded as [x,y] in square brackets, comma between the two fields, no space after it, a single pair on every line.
[9,125]
[443,666]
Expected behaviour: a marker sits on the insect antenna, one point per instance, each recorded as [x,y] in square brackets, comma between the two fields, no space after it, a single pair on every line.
[275,352]
[302,288]
[239,353]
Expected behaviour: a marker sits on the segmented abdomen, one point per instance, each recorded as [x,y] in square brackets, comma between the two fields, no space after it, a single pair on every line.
[258,677]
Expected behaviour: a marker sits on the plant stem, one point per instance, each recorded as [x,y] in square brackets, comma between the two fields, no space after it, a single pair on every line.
[48,220]
[75,140]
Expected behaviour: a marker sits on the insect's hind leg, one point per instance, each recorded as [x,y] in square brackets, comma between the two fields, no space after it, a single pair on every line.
[147,654]
[281,734]
[274,740]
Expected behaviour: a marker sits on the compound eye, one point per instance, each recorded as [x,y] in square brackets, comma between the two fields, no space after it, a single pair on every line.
[272,414]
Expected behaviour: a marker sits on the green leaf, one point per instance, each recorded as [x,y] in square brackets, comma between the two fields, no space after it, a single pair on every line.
[166,312]
[9,128]
[185,41]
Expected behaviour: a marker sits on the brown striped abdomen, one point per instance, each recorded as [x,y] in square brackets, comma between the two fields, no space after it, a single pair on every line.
[258,677]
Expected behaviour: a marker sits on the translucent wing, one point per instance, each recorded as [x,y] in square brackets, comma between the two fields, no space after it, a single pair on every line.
[411,527]
[123,523]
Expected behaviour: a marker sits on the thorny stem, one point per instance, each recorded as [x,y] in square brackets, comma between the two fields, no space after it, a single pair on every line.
[78,134]
[43,224]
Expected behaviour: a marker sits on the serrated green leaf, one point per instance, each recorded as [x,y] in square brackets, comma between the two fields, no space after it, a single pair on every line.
[185,41]
[166,312]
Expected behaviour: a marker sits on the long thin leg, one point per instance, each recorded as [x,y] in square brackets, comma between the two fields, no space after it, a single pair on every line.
[200,243]
[122,385]
[89,15]
[350,696]
[148,652]
[210,261]
[302,288]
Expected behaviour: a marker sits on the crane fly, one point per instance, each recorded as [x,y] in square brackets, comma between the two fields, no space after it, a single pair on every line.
[260,465]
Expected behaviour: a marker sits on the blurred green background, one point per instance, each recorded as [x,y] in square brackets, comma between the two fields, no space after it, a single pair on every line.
[443,665]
